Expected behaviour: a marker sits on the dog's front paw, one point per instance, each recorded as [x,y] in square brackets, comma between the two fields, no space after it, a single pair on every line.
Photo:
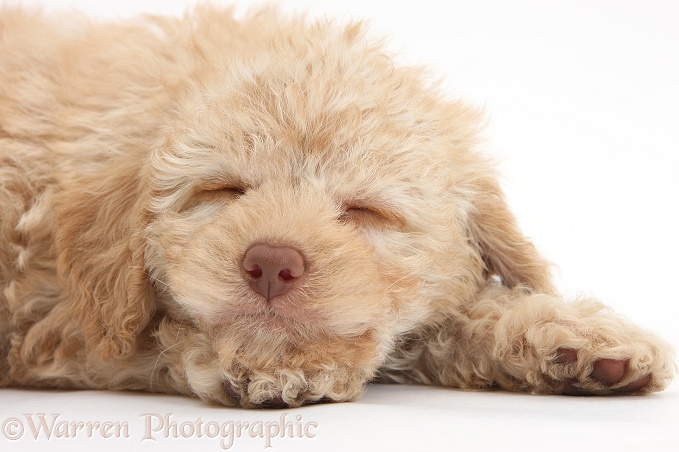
[241,396]
[579,348]
[613,359]
[283,389]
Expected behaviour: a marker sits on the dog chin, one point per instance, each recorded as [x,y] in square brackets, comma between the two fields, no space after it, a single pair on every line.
[261,361]
[278,314]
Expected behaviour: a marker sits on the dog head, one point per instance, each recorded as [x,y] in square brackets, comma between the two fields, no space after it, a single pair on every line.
[307,205]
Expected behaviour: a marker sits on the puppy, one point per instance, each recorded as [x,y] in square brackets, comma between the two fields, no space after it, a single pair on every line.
[263,213]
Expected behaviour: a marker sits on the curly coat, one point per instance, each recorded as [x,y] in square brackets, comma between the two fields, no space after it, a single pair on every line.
[140,163]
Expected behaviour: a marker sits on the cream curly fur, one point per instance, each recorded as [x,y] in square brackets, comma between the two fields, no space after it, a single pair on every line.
[140,161]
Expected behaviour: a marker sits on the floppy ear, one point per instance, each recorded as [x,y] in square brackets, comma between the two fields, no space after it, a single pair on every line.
[100,220]
[505,251]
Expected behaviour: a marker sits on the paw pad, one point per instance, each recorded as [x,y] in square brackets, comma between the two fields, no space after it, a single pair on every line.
[606,372]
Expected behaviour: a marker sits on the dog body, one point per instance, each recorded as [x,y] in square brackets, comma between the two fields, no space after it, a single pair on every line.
[265,212]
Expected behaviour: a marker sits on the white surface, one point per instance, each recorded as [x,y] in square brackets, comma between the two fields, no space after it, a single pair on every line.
[582,99]
[388,417]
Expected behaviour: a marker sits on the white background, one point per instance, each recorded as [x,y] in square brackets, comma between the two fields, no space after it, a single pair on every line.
[583,105]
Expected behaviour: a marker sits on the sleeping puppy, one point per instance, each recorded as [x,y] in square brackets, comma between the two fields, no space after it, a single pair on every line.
[267,212]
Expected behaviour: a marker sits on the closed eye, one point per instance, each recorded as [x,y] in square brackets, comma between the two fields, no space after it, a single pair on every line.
[229,188]
[214,193]
[235,192]
[371,217]
[222,194]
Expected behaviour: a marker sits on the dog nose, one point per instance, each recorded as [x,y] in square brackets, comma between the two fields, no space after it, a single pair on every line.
[272,271]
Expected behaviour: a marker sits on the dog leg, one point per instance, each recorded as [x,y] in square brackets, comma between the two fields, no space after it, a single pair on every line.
[519,340]
[541,344]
